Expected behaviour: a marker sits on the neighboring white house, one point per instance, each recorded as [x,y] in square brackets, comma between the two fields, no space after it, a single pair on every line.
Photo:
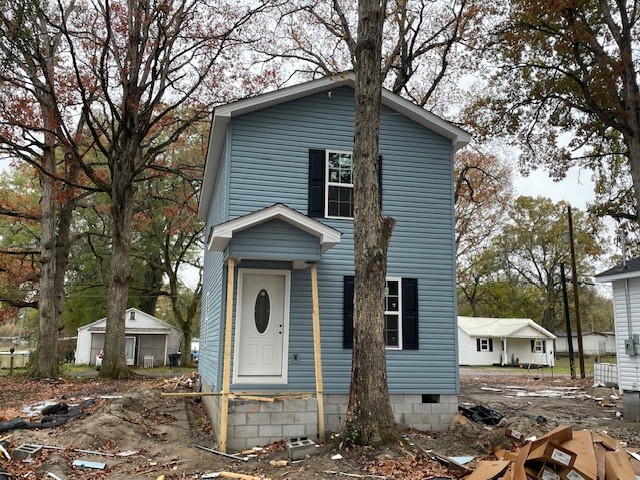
[593,343]
[147,340]
[503,341]
[625,282]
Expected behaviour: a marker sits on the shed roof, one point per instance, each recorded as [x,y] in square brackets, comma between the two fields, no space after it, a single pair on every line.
[502,327]
[223,114]
[159,325]
[620,272]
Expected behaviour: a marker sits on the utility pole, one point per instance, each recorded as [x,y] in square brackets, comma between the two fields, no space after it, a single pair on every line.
[563,279]
[574,282]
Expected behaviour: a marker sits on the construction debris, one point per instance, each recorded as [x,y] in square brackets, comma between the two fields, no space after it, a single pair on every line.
[241,476]
[563,453]
[88,464]
[228,455]
[481,414]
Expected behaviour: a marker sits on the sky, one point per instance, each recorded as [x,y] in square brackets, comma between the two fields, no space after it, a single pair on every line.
[577,188]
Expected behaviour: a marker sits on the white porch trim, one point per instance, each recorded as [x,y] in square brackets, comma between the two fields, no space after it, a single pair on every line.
[223,233]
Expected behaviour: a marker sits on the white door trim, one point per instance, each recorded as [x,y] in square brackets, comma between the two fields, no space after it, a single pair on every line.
[281,379]
[131,360]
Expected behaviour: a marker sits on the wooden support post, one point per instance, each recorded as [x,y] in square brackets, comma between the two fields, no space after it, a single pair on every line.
[226,359]
[317,354]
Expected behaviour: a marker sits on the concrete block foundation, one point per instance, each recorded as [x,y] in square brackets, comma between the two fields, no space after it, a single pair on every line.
[253,423]
[631,405]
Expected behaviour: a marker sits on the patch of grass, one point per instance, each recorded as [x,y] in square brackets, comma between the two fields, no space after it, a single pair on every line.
[5,372]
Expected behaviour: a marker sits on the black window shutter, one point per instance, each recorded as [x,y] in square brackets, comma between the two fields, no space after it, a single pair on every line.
[478,344]
[347,312]
[316,183]
[380,178]
[533,346]
[544,346]
[409,314]
[491,344]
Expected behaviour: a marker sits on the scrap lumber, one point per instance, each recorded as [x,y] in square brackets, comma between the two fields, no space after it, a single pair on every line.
[224,454]
[241,476]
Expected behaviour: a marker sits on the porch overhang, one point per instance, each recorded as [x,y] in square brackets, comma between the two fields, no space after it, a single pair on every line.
[222,234]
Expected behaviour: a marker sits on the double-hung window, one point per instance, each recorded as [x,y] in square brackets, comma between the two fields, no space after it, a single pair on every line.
[339,186]
[331,184]
[539,346]
[393,313]
[400,313]
[484,344]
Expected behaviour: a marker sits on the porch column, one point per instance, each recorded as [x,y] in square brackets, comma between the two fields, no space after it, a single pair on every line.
[317,354]
[505,355]
[226,359]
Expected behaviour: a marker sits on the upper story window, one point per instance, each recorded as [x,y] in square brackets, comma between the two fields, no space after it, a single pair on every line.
[339,186]
[331,184]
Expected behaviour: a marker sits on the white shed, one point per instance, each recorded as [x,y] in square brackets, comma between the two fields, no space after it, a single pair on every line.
[593,343]
[625,282]
[148,340]
[504,341]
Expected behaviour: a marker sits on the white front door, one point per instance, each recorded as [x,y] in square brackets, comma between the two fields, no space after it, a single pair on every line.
[130,350]
[262,326]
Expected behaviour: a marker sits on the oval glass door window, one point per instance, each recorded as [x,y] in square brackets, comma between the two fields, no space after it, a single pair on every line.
[262,312]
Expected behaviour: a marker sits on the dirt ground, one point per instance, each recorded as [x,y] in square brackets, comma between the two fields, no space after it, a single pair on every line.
[132,416]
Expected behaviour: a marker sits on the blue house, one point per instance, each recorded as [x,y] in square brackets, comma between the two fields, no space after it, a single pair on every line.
[277,305]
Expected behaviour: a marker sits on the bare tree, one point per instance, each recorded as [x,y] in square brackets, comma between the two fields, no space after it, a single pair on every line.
[420,42]
[36,128]
[145,73]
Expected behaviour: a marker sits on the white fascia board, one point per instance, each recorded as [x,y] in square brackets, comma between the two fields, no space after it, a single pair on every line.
[223,233]
[617,276]
[537,327]
[212,162]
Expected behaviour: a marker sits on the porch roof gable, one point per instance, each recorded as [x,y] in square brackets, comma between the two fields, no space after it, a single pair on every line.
[222,234]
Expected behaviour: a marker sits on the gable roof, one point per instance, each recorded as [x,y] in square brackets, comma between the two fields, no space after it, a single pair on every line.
[221,234]
[103,320]
[620,272]
[501,327]
[223,114]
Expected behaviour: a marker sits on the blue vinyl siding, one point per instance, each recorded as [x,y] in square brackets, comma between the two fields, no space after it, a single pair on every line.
[277,240]
[270,164]
[212,301]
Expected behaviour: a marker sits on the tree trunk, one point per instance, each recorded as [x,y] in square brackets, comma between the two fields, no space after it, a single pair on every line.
[114,364]
[46,365]
[369,419]
[152,284]
[633,148]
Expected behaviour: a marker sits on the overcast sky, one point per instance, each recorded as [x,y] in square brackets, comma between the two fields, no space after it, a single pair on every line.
[577,188]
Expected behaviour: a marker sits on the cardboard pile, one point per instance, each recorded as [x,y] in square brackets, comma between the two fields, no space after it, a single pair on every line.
[562,454]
